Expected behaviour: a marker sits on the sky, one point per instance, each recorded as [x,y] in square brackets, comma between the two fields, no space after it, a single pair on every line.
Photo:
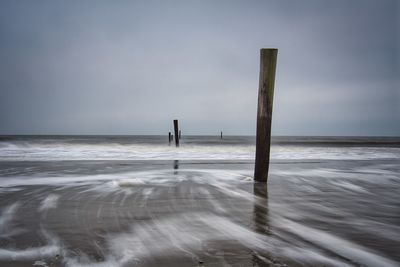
[131,67]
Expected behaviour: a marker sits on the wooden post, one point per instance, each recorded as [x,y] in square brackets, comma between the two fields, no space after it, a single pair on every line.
[179,134]
[264,113]
[176,129]
[221,134]
[169,137]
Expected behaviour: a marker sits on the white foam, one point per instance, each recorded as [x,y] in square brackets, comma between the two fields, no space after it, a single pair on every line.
[128,182]
[345,248]
[112,151]
[29,253]
[176,236]
[50,250]
[40,263]
[50,202]
[6,217]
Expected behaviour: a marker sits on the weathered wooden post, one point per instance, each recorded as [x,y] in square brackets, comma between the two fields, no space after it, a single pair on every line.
[169,137]
[176,129]
[179,134]
[264,112]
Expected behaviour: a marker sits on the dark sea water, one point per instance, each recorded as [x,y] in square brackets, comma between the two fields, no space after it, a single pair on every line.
[138,201]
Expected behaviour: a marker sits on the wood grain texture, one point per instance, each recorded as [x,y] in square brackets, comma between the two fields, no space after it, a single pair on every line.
[268,59]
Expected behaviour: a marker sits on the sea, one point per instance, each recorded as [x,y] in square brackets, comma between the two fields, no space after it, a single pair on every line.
[142,201]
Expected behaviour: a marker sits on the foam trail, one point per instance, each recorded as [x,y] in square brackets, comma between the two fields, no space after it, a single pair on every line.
[343,247]
[175,235]
[50,250]
[50,202]
[6,217]
[29,253]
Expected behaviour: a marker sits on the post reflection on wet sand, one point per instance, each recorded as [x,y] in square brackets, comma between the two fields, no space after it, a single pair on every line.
[176,166]
[260,218]
[260,212]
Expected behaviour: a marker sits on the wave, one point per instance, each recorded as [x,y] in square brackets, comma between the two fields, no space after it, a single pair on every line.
[28,151]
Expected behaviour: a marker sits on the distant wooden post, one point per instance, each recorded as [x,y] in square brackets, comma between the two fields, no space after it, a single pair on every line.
[176,129]
[264,113]
[221,134]
[179,134]
[169,137]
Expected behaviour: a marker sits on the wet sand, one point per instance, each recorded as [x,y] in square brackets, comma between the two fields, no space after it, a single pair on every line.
[199,213]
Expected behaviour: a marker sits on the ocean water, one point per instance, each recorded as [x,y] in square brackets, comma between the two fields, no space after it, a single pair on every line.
[140,201]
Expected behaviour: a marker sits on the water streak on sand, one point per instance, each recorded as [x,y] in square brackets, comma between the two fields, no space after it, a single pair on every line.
[180,213]
[192,148]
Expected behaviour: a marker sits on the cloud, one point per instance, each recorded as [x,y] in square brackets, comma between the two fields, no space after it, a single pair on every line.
[131,67]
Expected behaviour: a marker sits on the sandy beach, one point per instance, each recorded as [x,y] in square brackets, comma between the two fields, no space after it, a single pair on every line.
[325,212]
[172,213]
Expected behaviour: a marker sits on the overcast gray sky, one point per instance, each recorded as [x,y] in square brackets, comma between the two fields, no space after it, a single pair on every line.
[130,67]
